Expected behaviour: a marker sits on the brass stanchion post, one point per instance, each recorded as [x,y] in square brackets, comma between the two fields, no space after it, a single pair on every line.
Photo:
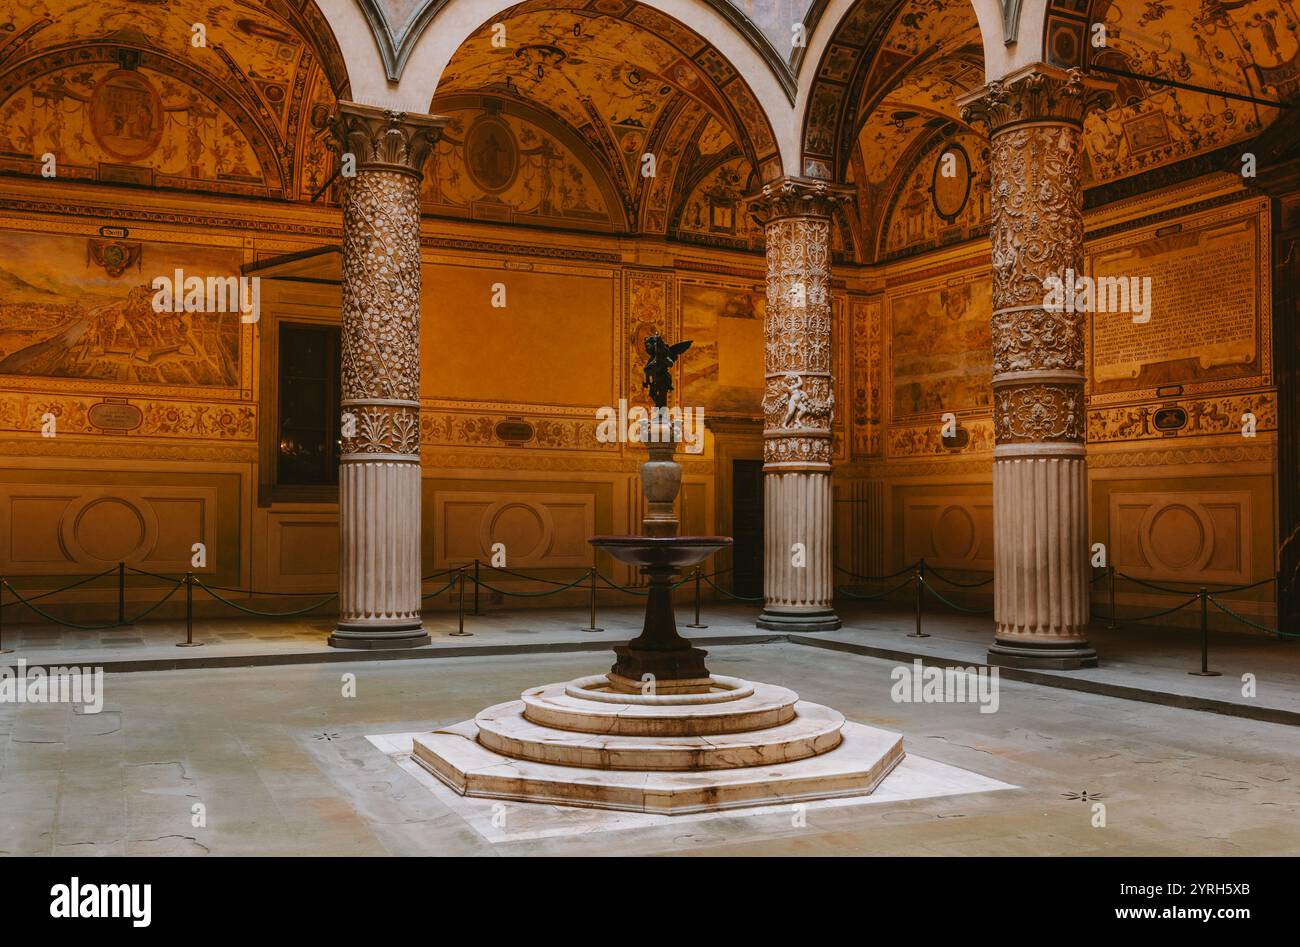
[696,623]
[920,597]
[476,608]
[460,631]
[1205,637]
[3,649]
[121,593]
[592,596]
[189,641]
[1110,625]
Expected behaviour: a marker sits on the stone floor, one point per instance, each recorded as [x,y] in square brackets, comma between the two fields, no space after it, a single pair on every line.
[283,764]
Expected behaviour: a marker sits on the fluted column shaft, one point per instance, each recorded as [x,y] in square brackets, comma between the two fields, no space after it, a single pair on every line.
[798,405]
[1040,476]
[379,471]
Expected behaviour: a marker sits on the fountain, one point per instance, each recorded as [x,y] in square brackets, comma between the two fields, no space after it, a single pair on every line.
[658,732]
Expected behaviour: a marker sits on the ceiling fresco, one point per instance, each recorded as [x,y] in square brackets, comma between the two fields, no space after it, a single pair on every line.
[1249,47]
[629,81]
[882,106]
[499,162]
[120,92]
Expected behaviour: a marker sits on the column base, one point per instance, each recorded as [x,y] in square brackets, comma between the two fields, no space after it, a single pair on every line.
[1049,657]
[367,639]
[819,620]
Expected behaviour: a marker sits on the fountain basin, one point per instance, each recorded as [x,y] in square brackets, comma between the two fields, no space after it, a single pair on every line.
[675,552]
[660,659]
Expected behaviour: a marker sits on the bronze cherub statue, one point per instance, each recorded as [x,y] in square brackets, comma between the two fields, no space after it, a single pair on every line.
[662,356]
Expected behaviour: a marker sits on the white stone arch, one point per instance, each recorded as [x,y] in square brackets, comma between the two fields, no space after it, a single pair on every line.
[454,21]
[1013,32]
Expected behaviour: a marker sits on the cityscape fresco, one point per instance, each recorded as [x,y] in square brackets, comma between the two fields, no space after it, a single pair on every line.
[78,307]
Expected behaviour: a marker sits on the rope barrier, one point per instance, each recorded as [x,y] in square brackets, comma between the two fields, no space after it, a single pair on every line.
[731,595]
[573,584]
[916,573]
[1142,618]
[1246,621]
[261,614]
[610,583]
[865,598]
[874,578]
[931,570]
[520,575]
[65,588]
[961,608]
[1164,588]
[429,595]
[68,624]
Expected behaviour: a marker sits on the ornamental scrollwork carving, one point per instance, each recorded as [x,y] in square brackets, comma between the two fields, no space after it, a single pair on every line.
[1038,414]
[784,449]
[381,287]
[1037,221]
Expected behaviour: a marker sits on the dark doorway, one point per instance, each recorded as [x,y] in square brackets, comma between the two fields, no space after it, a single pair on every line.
[747,526]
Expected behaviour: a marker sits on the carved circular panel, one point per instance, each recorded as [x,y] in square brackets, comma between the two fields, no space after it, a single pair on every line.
[955,534]
[526,531]
[491,154]
[126,115]
[108,529]
[1176,537]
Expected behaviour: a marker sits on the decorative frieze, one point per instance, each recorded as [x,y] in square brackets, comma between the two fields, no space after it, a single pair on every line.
[224,421]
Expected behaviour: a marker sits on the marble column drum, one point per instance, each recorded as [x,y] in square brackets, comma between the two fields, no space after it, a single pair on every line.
[1040,475]
[798,405]
[379,471]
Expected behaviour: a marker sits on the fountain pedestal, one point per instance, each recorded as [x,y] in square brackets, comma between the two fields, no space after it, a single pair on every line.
[659,658]
[659,733]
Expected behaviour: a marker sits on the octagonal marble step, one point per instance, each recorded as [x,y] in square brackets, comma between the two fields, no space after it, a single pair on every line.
[743,707]
[812,729]
[864,757]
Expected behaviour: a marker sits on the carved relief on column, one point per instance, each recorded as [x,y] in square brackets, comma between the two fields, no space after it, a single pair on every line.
[799,392]
[381,277]
[1035,119]
[379,476]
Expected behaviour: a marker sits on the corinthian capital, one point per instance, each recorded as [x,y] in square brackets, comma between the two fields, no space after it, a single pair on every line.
[384,139]
[1036,93]
[798,197]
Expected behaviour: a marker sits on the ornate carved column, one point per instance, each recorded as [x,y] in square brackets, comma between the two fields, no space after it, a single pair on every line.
[798,403]
[379,471]
[1040,475]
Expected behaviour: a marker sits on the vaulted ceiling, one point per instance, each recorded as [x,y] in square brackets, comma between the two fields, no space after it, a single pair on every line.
[629,82]
[130,91]
[882,108]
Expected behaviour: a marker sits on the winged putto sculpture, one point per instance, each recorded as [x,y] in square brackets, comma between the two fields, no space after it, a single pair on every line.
[662,357]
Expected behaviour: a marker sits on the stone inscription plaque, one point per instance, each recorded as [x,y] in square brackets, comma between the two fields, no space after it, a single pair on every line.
[1204,310]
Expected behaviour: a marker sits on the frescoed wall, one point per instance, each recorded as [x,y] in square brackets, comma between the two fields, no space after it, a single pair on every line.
[78,307]
[723,370]
[940,348]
